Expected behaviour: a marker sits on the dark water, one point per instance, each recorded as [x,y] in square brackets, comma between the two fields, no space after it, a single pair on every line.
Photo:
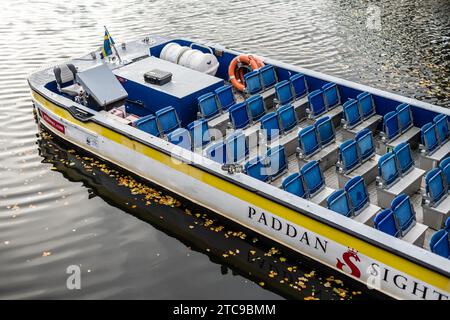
[59,207]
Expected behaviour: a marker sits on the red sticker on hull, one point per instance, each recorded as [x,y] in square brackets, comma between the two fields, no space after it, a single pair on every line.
[55,124]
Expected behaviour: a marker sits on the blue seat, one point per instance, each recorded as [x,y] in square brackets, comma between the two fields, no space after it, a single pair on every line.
[404,116]
[388,169]
[316,103]
[357,193]
[429,137]
[366,146]
[268,76]
[435,188]
[225,97]
[253,82]
[180,137]
[313,177]
[445,167]
[269,122]
[390,125]
[338,202]
[256,168]
[366,104]
[256,107]
[298,82]
[287,117]
[447,224]
[239,116]
[207,105]
[167,119]
[385,221]
[217,152]
[276,160]
[325,130]
[237,148]
[352,113]
[149,125]
[308,141]
[439,243]
[283,90]
[404,157]
[294,184]
[442,127]
[404,212]
[199,131]
[349,155]
[331,94]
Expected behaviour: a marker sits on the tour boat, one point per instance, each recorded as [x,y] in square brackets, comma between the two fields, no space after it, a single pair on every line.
[353,177]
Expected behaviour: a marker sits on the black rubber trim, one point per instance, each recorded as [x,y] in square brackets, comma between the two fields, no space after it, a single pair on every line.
[80,114]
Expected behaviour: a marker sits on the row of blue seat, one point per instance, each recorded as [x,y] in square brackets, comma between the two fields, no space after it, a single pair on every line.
[395,164]
[437,182]
[163,122]
[350,200]
[357,110]
[213,103]
[305,183]
[397,122]
[440,241]
[269,166]
[436,133]
[231,150]
[354,152]
[315,137]
[261,79]
[323,100]
[398,219]
[292,89]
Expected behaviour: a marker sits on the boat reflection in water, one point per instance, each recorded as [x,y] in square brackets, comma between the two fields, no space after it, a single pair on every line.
[235,248]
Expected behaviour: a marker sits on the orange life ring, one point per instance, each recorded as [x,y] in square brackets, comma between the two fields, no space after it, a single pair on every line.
[236,73]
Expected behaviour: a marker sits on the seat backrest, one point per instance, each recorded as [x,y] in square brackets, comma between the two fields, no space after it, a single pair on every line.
[225,97]
[239,116]
[388,168]
[217,152]
[364,141]
[447,224]
[167,119]
[390,125]
[207,105]
[338,202]
[404,116]
[269,123]
[385,221]
[366,104]
[429,137]
[287,117]
[65,74]
[325,130]
[253,82]
[349,155]
[352,113]
[357,192]
[439,243]
[236,146]
[404,157]
[434,185]
[268,76]
[276,160]
[256,107]
[180,137]
[283,90]
[256,168]
[316,102]
[331,94]
[199,131]
[445,167]
[442,127]
[404,211]
[148,124]
[298,82]
[308,141]
[313,177]
[294,184]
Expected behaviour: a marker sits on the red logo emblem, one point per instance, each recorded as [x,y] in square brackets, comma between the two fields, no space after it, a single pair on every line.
[347,257]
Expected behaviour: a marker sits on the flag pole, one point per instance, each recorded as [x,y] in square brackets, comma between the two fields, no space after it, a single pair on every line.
[113,45]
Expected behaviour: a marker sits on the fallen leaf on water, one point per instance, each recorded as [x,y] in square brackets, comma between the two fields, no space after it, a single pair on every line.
[46,253]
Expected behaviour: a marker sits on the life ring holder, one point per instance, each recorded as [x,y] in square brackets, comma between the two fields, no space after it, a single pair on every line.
[237,66]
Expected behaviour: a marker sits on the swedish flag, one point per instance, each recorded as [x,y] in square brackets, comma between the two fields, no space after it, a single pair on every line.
[107,42]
